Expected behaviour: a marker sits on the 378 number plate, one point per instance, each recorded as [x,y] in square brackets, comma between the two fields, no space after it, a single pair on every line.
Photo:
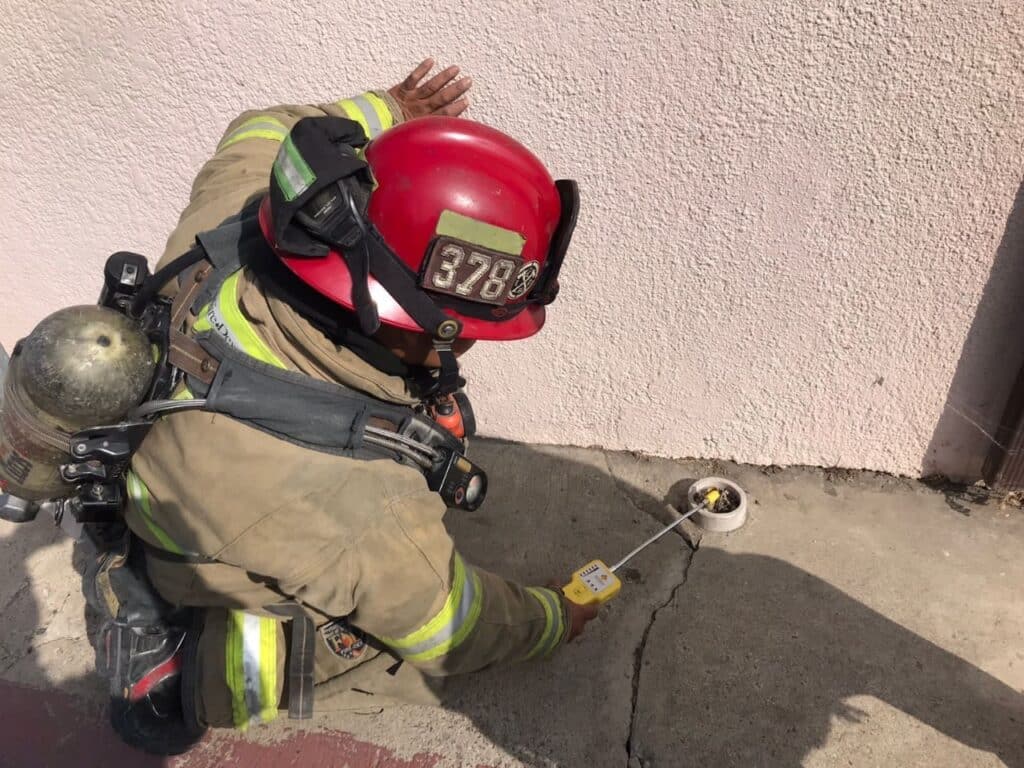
[473,273]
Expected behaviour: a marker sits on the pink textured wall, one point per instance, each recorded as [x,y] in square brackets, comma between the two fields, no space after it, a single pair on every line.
[792,210]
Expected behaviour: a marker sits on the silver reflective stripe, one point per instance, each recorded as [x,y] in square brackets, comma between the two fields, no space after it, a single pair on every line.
[251,665]
[217,322]
[372,118]
[462,613]
[291,171]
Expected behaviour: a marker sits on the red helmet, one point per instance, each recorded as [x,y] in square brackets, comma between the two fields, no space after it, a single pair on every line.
[455,220]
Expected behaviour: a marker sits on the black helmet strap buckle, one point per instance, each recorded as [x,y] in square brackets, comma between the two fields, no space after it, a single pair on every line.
[367,254]
[448,379]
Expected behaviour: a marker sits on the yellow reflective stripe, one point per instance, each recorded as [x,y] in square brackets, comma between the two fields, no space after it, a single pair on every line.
[384,115]
[268,669]
[353,112]
[251,668]
[202,322]
[444,616]
[370,111]
[139,493]
[372,118]
[553,623]
[548,621]
[234,654]
[468,624]
[225,317]
[256,128]
[562,628]
[252,345]
[255,133]
[185,394]
[452,624]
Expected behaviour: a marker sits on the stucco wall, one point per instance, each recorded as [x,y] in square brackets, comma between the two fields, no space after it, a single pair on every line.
[791,214]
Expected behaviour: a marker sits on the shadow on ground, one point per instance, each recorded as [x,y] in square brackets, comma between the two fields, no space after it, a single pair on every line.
[42,724]
[989,363]
[767,657]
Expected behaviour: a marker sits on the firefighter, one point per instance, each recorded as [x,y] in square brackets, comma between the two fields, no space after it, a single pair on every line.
[338,261]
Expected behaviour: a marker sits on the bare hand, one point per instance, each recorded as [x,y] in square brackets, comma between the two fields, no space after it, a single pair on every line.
[441,95]
[579,615]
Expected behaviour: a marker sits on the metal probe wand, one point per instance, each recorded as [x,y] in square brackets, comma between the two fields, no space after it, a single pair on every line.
[656,536]
[596,583]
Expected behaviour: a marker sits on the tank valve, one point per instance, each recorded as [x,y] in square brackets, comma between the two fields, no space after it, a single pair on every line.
[15,510]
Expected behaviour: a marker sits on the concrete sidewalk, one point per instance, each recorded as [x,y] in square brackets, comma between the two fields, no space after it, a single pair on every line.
[856,620]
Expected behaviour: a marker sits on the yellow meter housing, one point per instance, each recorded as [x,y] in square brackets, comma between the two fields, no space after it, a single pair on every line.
[596,583]
[592,584]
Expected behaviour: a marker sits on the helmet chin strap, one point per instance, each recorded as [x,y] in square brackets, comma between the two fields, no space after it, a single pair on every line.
[336,217]
[448,379]
[359,267]
[370,255]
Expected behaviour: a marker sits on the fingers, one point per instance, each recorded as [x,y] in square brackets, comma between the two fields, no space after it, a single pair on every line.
[450,94]
[437,82]
[589,612]
[443,94]
[579,615]
[412,81]
[455,109]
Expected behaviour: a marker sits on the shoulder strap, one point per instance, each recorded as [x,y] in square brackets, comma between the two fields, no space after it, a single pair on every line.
[222,251]
[182,350]
[319,415]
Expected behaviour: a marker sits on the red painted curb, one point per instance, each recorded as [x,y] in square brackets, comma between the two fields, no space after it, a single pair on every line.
[43,728]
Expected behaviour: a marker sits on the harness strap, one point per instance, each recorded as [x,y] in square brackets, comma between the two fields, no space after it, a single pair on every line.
[324,416]
[183,351]
[300,669]
[301,658]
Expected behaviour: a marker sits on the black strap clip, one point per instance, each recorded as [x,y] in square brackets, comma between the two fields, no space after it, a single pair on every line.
[111,445]
[98,503]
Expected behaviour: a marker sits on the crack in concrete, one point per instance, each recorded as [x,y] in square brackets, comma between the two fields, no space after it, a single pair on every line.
[25,585]
[63,604]
[687,534]
[632,760]
[36,646]
[17,658]
[620,487]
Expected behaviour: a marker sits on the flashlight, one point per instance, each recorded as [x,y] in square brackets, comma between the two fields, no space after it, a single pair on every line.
[460,483]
